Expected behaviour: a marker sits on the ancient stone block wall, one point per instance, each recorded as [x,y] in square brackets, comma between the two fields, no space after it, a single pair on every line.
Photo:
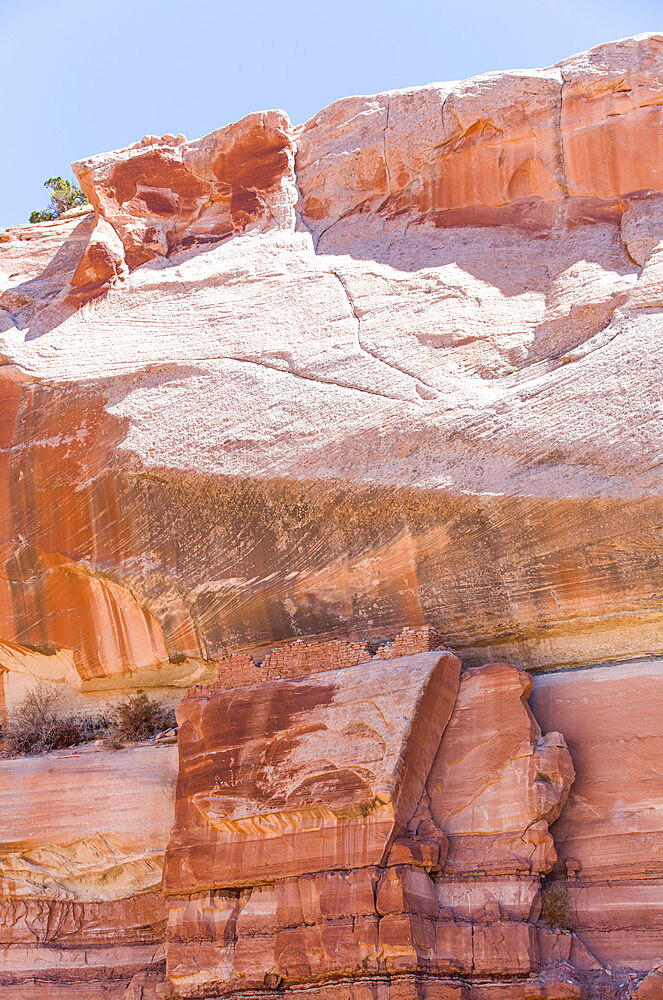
[297,659]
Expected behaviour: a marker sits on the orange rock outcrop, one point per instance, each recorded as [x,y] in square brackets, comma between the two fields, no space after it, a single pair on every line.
[609,838]
[82,842]
[318,835]
[433,293]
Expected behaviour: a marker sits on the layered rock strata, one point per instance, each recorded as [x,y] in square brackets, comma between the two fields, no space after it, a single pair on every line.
[82,842]
[425,334]
[327,829]
[610,835]
[373,824]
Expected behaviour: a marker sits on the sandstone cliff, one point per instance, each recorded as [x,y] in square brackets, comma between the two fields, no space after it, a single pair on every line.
[386,383]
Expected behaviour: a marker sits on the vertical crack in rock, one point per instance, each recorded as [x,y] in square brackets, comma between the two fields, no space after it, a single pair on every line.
[425,391]
[383,884]
[563,180]
[384,147]
[299,206]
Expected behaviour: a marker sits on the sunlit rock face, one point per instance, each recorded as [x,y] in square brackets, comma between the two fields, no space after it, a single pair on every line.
[82,840]
[396,367]
[286,778]
[610,833]
[321,831]
[495,777]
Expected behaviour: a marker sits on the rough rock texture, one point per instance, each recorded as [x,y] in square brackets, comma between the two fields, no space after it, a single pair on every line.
[313,818]
[651,987]
[82,842]
[283,778]
[164,195]
[496,783]
[611,831]
[385,382]
[425,334]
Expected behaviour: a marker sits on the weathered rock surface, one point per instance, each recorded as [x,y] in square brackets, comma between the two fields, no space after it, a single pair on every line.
[611,830]
[310,837]
[397,366]
[324,773]
[651,987]
[426,333]
[82,842]
[497,783]
[166,194]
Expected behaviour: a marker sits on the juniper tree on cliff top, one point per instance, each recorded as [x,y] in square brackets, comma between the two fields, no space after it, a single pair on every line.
[64,195]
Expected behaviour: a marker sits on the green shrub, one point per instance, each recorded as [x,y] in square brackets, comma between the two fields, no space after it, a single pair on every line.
[555,907]
[46,215]
[64,195]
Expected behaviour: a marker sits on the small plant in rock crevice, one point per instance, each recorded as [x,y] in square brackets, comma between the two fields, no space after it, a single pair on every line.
[555,907]
[177,658]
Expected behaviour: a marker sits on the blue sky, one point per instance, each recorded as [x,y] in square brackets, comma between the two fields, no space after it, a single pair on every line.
[78,78]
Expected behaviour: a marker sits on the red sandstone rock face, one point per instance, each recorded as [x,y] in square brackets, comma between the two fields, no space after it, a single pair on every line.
[82,840]
[464,153]
[319,800]
[166,194]
[609,834]
[419,320]
[102,262]
[497,782]
[397,366]
[604,109]
[286,778]
[651,988]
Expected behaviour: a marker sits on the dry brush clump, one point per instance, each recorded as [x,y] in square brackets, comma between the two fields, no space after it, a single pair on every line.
[555,907]
[138,718]
[39,723]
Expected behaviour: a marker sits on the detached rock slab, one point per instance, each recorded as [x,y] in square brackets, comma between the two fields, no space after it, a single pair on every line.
[313,819]
[497,781]
[651,987]
[288,777]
